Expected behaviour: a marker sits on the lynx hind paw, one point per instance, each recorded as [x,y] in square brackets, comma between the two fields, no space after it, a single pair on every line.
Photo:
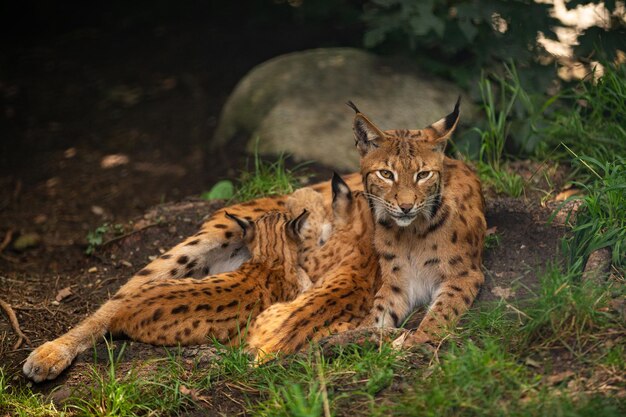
[48,361]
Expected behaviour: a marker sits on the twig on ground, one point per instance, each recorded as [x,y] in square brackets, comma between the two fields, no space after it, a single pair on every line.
[125,235]
[320,371]
[14,324]
[7,239]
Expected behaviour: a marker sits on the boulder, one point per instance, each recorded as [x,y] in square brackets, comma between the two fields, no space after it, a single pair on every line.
[295,103]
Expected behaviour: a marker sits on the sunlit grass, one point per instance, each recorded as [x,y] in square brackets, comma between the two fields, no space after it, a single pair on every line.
[22,402]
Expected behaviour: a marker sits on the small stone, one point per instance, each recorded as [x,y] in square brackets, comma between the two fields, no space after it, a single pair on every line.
[598,265]
[97,210]
[40,219]
[114,160]
[53,182]
[69,153]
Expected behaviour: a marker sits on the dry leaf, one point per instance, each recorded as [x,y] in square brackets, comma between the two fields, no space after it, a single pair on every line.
[193,393]
[491,231]
[114,160]
[63,294]
[504,293]
[560,377]
[565,194]
[532,362]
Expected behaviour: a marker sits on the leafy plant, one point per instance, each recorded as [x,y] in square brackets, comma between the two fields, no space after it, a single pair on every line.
[222,190]
[95,238]
[466,36]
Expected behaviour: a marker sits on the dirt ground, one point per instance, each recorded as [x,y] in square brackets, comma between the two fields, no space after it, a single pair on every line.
[104,114]
[102,123]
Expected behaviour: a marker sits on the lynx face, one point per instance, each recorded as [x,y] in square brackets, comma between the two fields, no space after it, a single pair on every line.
[403,169]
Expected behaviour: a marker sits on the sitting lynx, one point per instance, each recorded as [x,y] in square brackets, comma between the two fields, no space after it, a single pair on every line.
[429,224]
[188,310]
[343,295]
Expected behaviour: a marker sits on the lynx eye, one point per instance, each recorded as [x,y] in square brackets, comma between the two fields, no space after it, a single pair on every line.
[386,174]
[423,175]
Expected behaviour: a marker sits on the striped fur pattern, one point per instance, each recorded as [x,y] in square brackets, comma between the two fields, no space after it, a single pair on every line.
[342,297]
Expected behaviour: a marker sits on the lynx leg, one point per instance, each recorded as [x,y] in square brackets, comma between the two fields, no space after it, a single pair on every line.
[51,358]
[452,300]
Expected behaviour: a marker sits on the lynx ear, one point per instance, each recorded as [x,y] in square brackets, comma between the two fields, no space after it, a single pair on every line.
[342,196]
[366,135]
[294,226]
[442,129]
[246,226]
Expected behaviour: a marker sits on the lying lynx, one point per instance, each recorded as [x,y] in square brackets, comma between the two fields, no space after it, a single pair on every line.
[343,295]
[188,311]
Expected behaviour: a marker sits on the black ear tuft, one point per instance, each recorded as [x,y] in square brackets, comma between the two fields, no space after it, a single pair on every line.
[353,106]
[340,187]
[452,117]
[244,224]
[294,226]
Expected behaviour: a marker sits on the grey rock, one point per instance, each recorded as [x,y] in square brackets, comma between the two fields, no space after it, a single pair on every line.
[295,103]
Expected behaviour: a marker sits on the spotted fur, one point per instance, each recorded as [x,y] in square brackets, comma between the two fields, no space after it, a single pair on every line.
[187,311]
[429,224]
[342,296]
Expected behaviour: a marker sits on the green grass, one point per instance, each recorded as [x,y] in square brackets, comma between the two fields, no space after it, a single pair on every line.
[483,370]
[566,313]
[501,180]
[493,136]
[601,220]
[492,241]
[132,394]
[591,119]
[22,402]
[262,180]
[266,179]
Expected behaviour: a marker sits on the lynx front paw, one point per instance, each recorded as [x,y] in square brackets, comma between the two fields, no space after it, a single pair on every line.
[48,361]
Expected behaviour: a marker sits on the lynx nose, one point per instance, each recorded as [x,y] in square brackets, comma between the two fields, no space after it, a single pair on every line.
[406,208]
